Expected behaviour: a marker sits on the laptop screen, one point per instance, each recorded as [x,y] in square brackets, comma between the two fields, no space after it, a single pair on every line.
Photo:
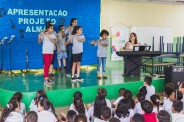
[141,48]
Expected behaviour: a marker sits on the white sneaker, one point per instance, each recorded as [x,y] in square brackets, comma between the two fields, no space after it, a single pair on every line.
[68,75]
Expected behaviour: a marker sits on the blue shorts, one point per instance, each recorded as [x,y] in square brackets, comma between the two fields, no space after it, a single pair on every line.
[61,55]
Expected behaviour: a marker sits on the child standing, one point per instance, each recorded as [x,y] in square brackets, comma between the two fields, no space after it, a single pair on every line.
[62,45]
[77,39]
[102,53]
[49,41]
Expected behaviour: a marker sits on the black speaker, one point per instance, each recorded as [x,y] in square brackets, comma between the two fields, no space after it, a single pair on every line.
[175,75]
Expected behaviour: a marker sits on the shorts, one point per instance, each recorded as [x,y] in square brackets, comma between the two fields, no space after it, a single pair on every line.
[77,57]
[61,55]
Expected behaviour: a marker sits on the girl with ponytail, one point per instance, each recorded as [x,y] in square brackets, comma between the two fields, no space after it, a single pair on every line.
[10,112]
[78,105]
[44,115]
[155,99]
[138,99]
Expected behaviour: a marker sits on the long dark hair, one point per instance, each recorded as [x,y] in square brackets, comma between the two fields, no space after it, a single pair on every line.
[99,103]
[12,105]
[38,93]
[75,29]
[72,20]
[123,108]
[155,99]
[18,95]
[79,105]
[135,38]
[43,100]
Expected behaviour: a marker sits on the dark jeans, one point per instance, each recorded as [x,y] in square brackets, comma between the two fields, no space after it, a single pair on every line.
[69,59]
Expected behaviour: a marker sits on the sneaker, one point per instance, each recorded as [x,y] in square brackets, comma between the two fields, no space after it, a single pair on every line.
[73,79]
[51,81]
[51,75]
[104,77]
[68,75]
[79,79]
[47,82]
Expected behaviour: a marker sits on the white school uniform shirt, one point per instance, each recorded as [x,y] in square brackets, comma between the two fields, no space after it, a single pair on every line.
[155,109]
[176,117]
[138,108]
[117,100]
[99,120]
[46,116]
[150,91]
[126,119]
[168,106]
[61,42]
[33,107]
[22,110]
[14,117]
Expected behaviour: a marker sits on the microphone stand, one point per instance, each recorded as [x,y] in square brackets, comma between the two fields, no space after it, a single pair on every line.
[1,64]
[9,42]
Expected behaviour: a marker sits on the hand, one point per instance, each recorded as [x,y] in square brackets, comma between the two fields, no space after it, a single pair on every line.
[59,50]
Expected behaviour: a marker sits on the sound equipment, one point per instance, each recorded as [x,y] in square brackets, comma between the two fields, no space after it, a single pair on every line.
[175,75]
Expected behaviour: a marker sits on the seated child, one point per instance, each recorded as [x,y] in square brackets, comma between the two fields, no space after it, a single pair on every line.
[138,99]
[10,112]
[124,111]
[155,99]
[121,90]
[147,108]
[32,117]
[177,107]
[105,115]
[163,116]
[80,118]
[44,115]
[150,88]
[168,102]
[137,118]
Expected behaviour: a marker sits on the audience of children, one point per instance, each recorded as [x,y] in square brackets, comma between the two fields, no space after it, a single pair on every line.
[126,109]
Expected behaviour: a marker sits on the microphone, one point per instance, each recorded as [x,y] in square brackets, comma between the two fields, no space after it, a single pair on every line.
[11,39]
[3,40]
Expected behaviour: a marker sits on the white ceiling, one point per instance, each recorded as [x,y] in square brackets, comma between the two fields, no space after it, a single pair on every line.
[161,1]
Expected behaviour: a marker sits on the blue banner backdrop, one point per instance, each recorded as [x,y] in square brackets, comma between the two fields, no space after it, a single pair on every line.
[25,19]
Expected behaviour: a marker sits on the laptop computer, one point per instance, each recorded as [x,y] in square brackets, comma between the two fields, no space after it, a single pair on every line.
[141,48]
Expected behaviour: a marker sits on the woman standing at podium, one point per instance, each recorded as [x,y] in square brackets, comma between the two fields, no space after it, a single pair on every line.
[130,67]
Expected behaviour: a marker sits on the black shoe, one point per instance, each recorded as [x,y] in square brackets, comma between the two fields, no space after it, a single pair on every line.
[73,79]
[79,79]
[47,82]
[51,81]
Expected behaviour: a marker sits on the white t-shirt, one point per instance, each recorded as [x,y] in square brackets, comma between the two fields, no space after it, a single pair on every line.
[46,116]
[102,50]
[150,91]
[117,100]
[22,110]
[176,117]
[99,120]
[155,109]
[33,107]
[48,46]
[77,45]
[168,106]
[14,117]
[138,108]
[126,119]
